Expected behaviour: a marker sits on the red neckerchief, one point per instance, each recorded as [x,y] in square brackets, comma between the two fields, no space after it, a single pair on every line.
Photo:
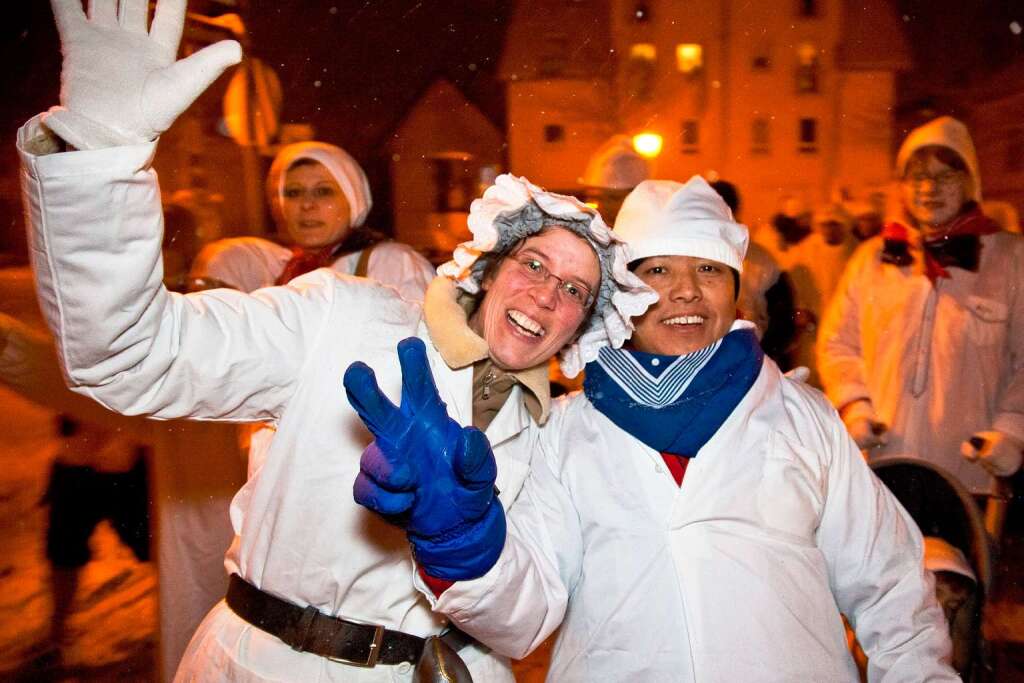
[305,260]
[959,245]
[676,465]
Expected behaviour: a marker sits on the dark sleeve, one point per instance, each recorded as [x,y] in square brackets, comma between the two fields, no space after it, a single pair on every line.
[778,339]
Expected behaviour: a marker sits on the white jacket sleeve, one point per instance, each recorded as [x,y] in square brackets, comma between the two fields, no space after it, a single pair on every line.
[1009,417]
[28,365]
[95,232]
[401,267]
[875,561]
[514,607]
[840,361]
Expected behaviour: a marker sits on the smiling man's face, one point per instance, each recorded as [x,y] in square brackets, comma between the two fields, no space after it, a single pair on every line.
[696,304]
[525,319]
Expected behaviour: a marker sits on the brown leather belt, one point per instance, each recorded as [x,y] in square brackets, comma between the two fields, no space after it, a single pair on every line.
[306,629]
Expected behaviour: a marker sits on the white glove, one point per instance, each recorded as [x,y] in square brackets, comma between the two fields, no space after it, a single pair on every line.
[121,85]
[864,426]
[1000,454]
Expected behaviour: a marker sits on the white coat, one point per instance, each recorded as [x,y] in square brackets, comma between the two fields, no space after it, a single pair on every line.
[938,363]
[192,544]
[249,263]
[277,355]
[735,576]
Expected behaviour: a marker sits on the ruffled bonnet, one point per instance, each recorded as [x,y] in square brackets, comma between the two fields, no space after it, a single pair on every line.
[513,209]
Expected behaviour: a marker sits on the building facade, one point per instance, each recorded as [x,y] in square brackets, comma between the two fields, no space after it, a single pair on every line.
[786,98]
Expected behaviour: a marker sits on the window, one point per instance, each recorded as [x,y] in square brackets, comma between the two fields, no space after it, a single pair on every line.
[808,135]
[643,51]
[807,8]
[689,137]
[760,135]
[1015,150]
[807,67]
[554,133]
[639,72]
[689,58]
[554,55]
[761,54]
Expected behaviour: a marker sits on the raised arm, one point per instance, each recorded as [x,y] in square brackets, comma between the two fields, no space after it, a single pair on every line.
[95,221]
[28,365]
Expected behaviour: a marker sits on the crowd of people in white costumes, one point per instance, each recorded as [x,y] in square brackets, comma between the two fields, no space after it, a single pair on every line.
[694,513]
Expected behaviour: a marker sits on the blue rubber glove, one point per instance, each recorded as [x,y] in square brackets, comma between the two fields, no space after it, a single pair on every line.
[427,474]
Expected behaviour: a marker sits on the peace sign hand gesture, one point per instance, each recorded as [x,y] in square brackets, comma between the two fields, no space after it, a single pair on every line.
[425,473]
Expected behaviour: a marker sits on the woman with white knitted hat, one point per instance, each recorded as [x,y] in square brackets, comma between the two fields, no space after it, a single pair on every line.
[323,588]
[694,515]
[922,346]
[320,198]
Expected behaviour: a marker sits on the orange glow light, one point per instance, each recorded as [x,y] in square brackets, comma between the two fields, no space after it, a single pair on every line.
[647,145]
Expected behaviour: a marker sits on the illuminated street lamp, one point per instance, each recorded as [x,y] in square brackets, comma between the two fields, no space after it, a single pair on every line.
[647,145]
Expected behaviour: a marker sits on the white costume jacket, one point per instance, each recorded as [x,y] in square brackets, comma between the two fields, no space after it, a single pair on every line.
[938,363]
[247,264]
[735,576]
[251,263]
[277,355]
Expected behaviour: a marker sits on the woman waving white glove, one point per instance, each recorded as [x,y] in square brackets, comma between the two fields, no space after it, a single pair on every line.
[120,84]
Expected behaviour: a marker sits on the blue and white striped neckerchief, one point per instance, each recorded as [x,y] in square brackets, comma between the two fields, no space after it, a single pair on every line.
[651,379]
[675,404]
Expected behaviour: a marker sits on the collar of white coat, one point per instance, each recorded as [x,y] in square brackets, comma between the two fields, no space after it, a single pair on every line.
[448,324]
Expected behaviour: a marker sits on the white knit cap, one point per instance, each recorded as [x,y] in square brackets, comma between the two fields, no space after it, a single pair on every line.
[940,556]
[345,170]
[944,131]
[514,208]
[666,218]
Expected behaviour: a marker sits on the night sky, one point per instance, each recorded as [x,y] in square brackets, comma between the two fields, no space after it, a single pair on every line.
[353,69]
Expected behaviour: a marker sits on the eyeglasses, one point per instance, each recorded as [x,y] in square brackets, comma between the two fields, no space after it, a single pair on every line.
[945,180]
[569,291]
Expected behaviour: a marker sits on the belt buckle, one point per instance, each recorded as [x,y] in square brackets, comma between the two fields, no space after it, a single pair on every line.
[371,659]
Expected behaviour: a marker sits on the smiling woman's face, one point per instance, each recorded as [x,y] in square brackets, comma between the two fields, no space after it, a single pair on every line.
[526,319]
[696,304]
[316,211]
